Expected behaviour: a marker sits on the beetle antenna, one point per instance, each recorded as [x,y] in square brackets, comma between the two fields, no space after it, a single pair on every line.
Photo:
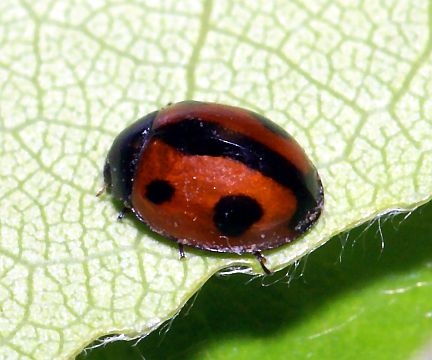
[101,191]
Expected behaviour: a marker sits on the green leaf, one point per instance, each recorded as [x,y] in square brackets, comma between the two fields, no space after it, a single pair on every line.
[351,299]
[350,81]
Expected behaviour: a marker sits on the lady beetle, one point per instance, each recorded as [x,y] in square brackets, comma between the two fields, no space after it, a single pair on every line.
[215,177]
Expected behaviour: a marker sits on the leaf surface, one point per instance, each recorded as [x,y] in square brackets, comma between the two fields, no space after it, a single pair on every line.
[350,299]
[350,81]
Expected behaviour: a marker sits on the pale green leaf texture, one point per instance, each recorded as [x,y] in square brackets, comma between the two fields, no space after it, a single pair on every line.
[352,81]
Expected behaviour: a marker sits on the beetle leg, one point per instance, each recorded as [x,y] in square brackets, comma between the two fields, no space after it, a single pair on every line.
[122,213]
[262,260]
[181,251]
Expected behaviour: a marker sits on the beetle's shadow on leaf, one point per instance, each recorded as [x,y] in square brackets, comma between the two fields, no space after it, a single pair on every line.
[234,307]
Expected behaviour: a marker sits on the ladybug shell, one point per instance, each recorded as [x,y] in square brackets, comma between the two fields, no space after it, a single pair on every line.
[215,177]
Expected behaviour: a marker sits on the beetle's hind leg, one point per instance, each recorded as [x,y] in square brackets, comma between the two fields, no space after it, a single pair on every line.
[262,260]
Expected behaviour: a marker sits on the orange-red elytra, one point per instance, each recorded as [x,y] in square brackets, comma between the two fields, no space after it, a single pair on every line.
[215,177]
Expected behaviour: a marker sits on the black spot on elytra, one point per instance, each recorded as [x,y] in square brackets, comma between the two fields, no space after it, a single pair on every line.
[234,214]
[159,191]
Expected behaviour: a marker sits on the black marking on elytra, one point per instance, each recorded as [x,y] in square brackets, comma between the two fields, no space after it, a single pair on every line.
[270,125]
[122,160]
[234,214]
[303,223]
[198,137]
[159,191]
